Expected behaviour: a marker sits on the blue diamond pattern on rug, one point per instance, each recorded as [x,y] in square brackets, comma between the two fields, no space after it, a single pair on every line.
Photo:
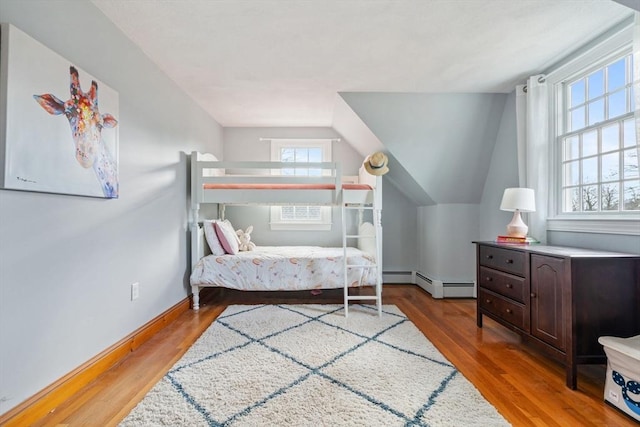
[304,365]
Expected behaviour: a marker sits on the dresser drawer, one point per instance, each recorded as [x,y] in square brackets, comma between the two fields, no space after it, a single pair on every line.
[502,283]
[511,312]
[508,260]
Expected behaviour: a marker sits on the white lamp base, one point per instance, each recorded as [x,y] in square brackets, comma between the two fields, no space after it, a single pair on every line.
[517,227]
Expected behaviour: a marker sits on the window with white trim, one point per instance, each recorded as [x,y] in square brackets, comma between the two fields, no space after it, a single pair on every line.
[296,217]
[595,128]
[599,145]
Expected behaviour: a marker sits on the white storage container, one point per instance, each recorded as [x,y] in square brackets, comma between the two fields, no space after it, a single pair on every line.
[622,385]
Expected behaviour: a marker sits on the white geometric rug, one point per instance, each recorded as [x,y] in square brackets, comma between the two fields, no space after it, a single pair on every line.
[306,365]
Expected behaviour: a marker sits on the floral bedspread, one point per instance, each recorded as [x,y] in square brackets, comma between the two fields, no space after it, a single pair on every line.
[280,268]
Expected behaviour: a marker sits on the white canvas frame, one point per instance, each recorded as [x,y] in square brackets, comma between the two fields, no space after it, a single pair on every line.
[37,151]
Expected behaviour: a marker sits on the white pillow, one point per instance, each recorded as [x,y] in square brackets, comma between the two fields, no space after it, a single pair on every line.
[227,236]
[212,238]
[367,241]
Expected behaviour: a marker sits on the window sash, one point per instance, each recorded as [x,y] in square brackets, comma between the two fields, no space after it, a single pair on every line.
[593,176]
[305,217]
[615,42]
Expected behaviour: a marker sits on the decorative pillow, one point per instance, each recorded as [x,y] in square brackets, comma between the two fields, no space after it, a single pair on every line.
[367,241]
[226,221]
[212,238]
[227,237]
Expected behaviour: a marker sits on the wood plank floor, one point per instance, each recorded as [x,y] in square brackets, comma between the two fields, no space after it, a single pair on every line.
[525,386]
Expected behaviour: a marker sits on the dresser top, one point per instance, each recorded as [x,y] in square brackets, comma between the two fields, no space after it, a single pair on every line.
[559,250]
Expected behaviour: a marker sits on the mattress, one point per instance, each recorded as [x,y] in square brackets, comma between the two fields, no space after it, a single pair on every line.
[282,268]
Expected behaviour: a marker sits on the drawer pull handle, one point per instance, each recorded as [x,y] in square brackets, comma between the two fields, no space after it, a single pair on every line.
[509,285]
[489,257]
[509,311]
[488,301]
[533,295]
[509,261]
[488,279]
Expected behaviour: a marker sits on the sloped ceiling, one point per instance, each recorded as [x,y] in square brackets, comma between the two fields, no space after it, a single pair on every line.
[353,128]
[634,4]
[444,141]
[282,62]
[423,80]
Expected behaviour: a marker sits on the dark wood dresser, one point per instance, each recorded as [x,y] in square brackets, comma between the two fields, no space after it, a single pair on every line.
[560,299]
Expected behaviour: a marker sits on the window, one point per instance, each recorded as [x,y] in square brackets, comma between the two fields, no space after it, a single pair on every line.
[310,217]
[594,157]
[599,145]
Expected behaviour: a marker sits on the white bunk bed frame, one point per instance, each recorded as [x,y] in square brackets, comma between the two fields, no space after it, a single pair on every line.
[250,185]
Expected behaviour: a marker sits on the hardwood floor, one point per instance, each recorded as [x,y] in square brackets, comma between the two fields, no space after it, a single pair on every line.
[525,386]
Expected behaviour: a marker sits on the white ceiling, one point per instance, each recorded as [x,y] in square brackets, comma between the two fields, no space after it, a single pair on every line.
[282,62]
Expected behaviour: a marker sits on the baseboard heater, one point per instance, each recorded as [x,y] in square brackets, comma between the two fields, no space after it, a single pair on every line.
[440,289]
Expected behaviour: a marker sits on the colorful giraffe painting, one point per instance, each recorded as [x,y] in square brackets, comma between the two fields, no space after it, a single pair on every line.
[86,127]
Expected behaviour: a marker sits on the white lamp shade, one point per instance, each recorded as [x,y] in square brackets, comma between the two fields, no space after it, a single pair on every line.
[522,199]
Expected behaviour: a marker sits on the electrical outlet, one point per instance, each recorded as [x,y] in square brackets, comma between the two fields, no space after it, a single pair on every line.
[135,291]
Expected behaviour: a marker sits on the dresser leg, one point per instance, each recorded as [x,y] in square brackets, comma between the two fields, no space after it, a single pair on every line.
[479,319]
[572,376]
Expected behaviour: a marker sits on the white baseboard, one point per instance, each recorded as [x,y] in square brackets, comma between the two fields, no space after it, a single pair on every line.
[460,290]
[439,289]
[397,277]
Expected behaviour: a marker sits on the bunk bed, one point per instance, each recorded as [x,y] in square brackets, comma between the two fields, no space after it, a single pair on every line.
[286,268]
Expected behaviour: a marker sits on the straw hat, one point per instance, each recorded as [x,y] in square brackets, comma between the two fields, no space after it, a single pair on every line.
[376,164]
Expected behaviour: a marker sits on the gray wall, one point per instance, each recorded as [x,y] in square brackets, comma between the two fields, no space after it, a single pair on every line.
[503,173]
[399,230]
[605,242]
[67,263]
[445,249]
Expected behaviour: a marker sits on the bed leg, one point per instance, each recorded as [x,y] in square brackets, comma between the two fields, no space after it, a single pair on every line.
[195,290]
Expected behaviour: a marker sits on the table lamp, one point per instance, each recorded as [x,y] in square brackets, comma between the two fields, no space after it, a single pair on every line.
[518,200]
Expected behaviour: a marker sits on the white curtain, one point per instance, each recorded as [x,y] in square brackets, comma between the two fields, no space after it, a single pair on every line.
[521,124]
[636,70]
[532,115]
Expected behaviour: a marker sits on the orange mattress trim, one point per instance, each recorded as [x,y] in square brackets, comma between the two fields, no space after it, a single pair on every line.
[250,186]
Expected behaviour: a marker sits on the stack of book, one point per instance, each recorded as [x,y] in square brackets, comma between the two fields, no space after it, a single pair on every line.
[512,239]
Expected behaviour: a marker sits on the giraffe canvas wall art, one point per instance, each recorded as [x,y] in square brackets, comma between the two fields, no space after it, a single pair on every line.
[59,124]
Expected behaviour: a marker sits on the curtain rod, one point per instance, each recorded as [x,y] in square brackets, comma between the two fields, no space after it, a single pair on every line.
[301,139]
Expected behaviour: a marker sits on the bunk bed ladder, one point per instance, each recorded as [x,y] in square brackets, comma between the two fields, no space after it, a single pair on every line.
[378,256]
